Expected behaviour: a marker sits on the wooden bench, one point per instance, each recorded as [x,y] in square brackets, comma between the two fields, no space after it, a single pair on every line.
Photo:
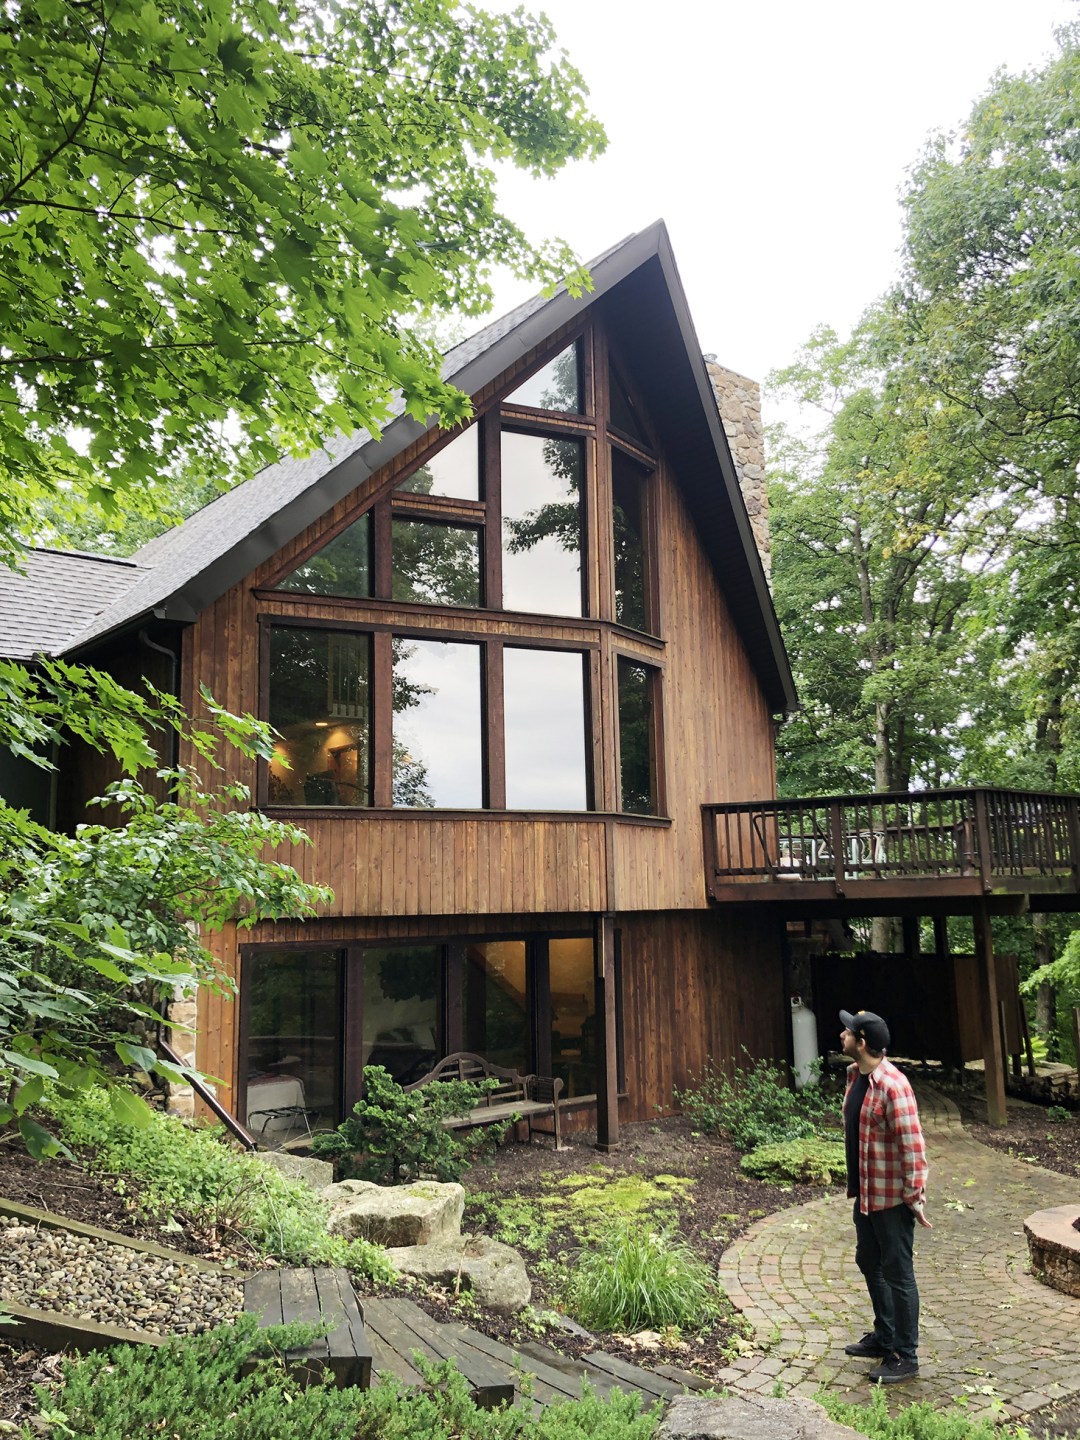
[323,1296]
[529,1097]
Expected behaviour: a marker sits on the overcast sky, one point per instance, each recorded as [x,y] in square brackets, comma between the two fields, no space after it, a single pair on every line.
[773,139]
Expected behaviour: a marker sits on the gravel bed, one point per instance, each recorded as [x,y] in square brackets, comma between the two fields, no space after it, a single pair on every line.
[111,1284]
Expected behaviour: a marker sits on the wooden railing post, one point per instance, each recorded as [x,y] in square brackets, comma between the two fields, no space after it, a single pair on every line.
[1072,812]
[836,834]
[982,838]
[708,845]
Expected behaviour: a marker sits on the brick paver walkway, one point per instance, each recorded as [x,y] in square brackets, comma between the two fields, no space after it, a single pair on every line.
[990,1332]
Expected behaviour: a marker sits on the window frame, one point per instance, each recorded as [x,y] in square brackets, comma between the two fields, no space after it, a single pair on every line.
[449,1009]
[655,674]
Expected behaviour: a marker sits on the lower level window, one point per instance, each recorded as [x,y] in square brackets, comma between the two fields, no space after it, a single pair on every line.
[312,1018]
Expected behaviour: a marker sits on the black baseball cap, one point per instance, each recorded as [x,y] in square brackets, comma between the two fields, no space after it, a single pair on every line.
[865,1025]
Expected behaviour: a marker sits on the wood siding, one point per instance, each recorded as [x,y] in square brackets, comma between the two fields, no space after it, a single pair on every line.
[696,987]
[718,735]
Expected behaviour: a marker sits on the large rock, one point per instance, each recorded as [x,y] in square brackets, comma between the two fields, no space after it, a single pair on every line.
[423,1213]
[318,1173]
[744,1417]
[494,1272]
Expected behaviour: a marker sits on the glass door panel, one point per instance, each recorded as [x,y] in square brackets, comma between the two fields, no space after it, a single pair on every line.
[401,1009]
[573,1014]
[293,1001]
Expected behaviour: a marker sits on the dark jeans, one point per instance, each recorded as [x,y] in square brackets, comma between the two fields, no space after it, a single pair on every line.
[883,1252]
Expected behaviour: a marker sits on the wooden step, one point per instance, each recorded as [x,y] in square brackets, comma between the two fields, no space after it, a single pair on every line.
[551,1383]
[405,1328]
[634,1376]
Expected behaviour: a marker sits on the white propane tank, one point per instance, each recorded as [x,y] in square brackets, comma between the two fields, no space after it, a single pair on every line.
[804,1043]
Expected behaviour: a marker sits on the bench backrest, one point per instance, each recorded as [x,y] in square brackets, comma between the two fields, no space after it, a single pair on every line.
[464,1065]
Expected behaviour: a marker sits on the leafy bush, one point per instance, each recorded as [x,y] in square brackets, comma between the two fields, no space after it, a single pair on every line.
[191,1173]
[636,1278]
[915,1422]
[191,1389]
[393,1137]
[753,1107]
[802,1162]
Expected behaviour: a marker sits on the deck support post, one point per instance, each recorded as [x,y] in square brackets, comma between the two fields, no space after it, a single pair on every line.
[607,1060]
[993,1049]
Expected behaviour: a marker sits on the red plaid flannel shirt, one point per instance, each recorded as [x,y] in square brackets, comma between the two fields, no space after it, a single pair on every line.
[892,1152]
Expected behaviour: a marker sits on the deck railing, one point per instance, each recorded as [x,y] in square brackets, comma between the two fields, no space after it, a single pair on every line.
[935,834]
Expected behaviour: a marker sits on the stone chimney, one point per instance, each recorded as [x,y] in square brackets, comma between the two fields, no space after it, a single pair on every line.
[739,402]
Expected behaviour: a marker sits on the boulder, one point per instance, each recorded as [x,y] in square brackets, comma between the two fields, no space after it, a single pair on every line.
[750,1417]
[423,1213]
[317,1173]
[494,1272]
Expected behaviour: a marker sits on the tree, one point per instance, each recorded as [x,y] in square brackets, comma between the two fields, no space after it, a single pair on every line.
[229,211]
[217,219]
[989,288]
[873,569]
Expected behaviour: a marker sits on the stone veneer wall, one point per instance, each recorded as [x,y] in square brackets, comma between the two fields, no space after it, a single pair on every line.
[739,402]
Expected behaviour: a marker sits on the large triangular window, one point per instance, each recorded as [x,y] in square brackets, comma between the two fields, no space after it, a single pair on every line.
[342,567]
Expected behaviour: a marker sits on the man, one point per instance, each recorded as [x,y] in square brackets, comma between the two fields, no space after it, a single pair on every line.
[886,1167]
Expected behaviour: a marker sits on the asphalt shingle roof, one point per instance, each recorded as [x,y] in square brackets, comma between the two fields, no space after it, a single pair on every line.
[57,594]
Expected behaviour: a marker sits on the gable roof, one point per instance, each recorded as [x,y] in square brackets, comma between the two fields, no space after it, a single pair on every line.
[636,287]
[55,594]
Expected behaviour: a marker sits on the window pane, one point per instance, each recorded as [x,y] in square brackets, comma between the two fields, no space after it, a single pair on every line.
[454,471]
[436,564]
[320,705]
[495,1008]
[544,699]
[293,1002]
[541,503]
[556,387]
[401,1009]
[573,1014]
[628,482]
[637,759]
[624,414]
[437,731]
[343,567]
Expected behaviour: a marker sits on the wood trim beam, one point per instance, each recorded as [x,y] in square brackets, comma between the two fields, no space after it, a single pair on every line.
[993,1050]
[607,1076]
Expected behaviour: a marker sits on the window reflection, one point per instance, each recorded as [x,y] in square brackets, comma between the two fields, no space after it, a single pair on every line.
[437,751]
[637,752]
[624,413]
[343,567]
[573,1014]
[556,387]
[320,705]
[544,707]
[495,1008]
[628,482]
[541,503]
[435,564]
[401,1009]
[454,471]
[293,1003]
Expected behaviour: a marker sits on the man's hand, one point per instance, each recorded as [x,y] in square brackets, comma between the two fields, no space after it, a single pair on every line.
[919,1211]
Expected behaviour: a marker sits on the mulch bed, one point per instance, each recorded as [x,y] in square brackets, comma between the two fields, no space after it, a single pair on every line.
[1030,1135]
[721,1206]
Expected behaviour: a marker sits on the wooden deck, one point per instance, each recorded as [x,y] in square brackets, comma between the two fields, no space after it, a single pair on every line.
[398,1330]
[934,850]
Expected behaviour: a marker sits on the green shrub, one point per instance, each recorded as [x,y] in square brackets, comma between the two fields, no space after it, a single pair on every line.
[393,1137]
[191,1389]
[194,1173]
[914,1422]
[812,1161]
[753,1107]
[636,1279]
